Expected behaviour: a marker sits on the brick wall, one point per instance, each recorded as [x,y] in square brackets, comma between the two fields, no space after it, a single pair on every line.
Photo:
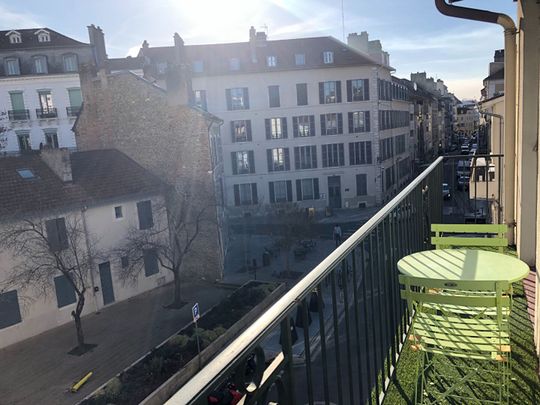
[130,114]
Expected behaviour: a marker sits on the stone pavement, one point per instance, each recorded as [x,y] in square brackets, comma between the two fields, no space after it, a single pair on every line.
[39,370]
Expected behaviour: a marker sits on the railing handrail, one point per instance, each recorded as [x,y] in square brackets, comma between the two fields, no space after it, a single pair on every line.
[246,342]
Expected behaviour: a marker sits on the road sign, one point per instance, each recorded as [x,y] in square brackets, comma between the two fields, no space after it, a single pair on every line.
[195,312]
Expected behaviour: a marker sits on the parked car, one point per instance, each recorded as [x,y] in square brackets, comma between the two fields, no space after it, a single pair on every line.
[478,217]
[464,149]
[446,191]
[463,183]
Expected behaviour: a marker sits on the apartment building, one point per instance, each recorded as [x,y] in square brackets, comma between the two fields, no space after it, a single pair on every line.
[107,195]
[309,120]
[40,93]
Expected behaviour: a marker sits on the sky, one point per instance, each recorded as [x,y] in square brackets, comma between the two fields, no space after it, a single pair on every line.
[415,34]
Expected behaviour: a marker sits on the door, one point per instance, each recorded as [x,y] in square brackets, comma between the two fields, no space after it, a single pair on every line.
[334,191]
[106,283]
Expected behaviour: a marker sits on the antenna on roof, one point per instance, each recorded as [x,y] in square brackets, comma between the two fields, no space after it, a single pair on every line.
[343,20]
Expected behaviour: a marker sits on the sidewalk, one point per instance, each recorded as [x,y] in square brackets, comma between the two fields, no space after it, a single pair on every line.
[39,370]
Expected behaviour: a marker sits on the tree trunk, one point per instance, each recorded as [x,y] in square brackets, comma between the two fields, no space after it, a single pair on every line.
[77,319]
[177,292]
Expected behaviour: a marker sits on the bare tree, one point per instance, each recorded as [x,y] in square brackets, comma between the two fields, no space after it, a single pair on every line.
[3,131]
[177,224]
[45,248]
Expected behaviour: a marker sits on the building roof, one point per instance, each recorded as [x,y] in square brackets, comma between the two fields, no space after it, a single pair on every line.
[29,39]
[498,75]
[99,176]
[128,63]
[216,57]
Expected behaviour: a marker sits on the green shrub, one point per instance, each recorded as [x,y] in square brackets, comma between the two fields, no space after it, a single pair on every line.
[219,330]
[178,341]
[112,389]
[155,366]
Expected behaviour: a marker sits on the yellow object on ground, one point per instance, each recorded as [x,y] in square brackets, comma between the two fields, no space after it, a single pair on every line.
[78,385]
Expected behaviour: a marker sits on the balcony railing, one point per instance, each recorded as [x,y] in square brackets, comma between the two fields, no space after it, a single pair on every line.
[46,113]
[73,111]
[18,115]
[351,355]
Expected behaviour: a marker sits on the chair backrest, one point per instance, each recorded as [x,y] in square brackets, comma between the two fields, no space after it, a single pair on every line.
[442,237]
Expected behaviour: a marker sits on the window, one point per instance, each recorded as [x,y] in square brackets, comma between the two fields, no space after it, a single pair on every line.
[40,64]
[386,149]
[390,119]
[10,313]
[245,194]
[304,126]
[331,124]
[26,173]
[75,97]
[359,121]
[243,162]
[389,177]
[361,184]
[71,63]
[280,191]
[385,89]
[161,67]
[273,96]
[237,98]
[23,139]
[12,67]
[271,61]
[65,293]
[333,155]
[144,211]
[278,159]
[198,66]
[234,64]
[301,94]
[124,262]
[45,100]
[118,212]
[305,157]
[15,38]
[43,36]
[241,131]
[150,259]
[307,189]
[199,99]
[400,144]
[360,153]
[17,100]
[56,234]
[276,128]
[299,59]
[328,57]
[51,139]
[330,92]
[358,90]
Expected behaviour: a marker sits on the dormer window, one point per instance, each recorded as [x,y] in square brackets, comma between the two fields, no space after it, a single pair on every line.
[14,37]
[328,57]
[43,36]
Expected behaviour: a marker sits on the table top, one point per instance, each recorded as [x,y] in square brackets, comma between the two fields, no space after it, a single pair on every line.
[463,264]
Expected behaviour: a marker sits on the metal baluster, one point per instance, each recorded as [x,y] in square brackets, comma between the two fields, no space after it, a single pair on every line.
[384,286]
[286,347]
[307,352]
[336,336]
[373,328]
[370,353]
[344,281]
[322,333]
[357,326]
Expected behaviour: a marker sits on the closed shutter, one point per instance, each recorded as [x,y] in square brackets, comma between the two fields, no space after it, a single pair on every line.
[284,127]
[62,232]
[248,129]
[254,197]
[351,128]
[268,128]
[349,90]
[289,190]
[52,235]
[340,123]
[17,100]
[10,312]
[295,126]
[65,293]
[150,259]
[269,158]
[251,158]
[366,89]
[338,91]
[298,190]
[323,124]
[75,97]
[368,152]
[311,125]
[233,162]
[233,137]
[297,158]
[271,192]
[316,194]
[287,159]
[367,122]
[361,184]
[324,156]
[321,93]
[301,94]
[313,157]
[352,160]
[246,98]
[229,100]
[144,210]
[236,195]
[341,155]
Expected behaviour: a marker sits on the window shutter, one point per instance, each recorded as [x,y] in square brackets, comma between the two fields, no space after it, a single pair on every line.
[311,125]
[287,159]
[271,192]
[268,128]
[366,89]
[228,97]
[298,190]
[338,91]
[340,123]
[233,162]
[352,160]
[284,127]
[62,232]
[236,195]
[289,190]
[150,260]
[9,309]
[295,126]
[316,194]
[368,152]
[297,158]
[232,132]
[246,98]
[349,90]
[248,129]
[324,156]
[321,93]
[323,124]
[269,158]
[351,129]
[313,157]
[52,235]
[251,158]
[341,155]
[367,121]
[144,211]
[254,198]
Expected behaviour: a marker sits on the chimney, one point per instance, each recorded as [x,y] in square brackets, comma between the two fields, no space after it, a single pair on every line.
[253,44]
[177,77]
[179,50]
[358,42]
[59,162]
[97,40]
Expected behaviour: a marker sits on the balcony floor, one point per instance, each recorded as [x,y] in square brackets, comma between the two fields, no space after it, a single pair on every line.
[525,384]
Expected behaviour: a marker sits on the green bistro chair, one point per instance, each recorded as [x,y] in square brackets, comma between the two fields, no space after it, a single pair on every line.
[463,338]
[469,235]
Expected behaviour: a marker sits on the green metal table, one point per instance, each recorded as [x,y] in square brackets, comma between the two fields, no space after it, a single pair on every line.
[463,264]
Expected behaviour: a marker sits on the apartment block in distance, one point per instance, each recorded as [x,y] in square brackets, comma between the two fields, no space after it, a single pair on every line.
[308,120]
[40,92]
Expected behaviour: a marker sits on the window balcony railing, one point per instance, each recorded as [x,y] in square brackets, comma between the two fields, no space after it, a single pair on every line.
[350,352]
[46,113]
[73,111]
[19,115]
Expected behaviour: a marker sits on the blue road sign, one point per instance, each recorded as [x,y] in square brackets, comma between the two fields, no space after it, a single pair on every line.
[195,312]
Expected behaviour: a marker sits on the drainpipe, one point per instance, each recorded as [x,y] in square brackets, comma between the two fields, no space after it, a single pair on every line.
[509,96]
